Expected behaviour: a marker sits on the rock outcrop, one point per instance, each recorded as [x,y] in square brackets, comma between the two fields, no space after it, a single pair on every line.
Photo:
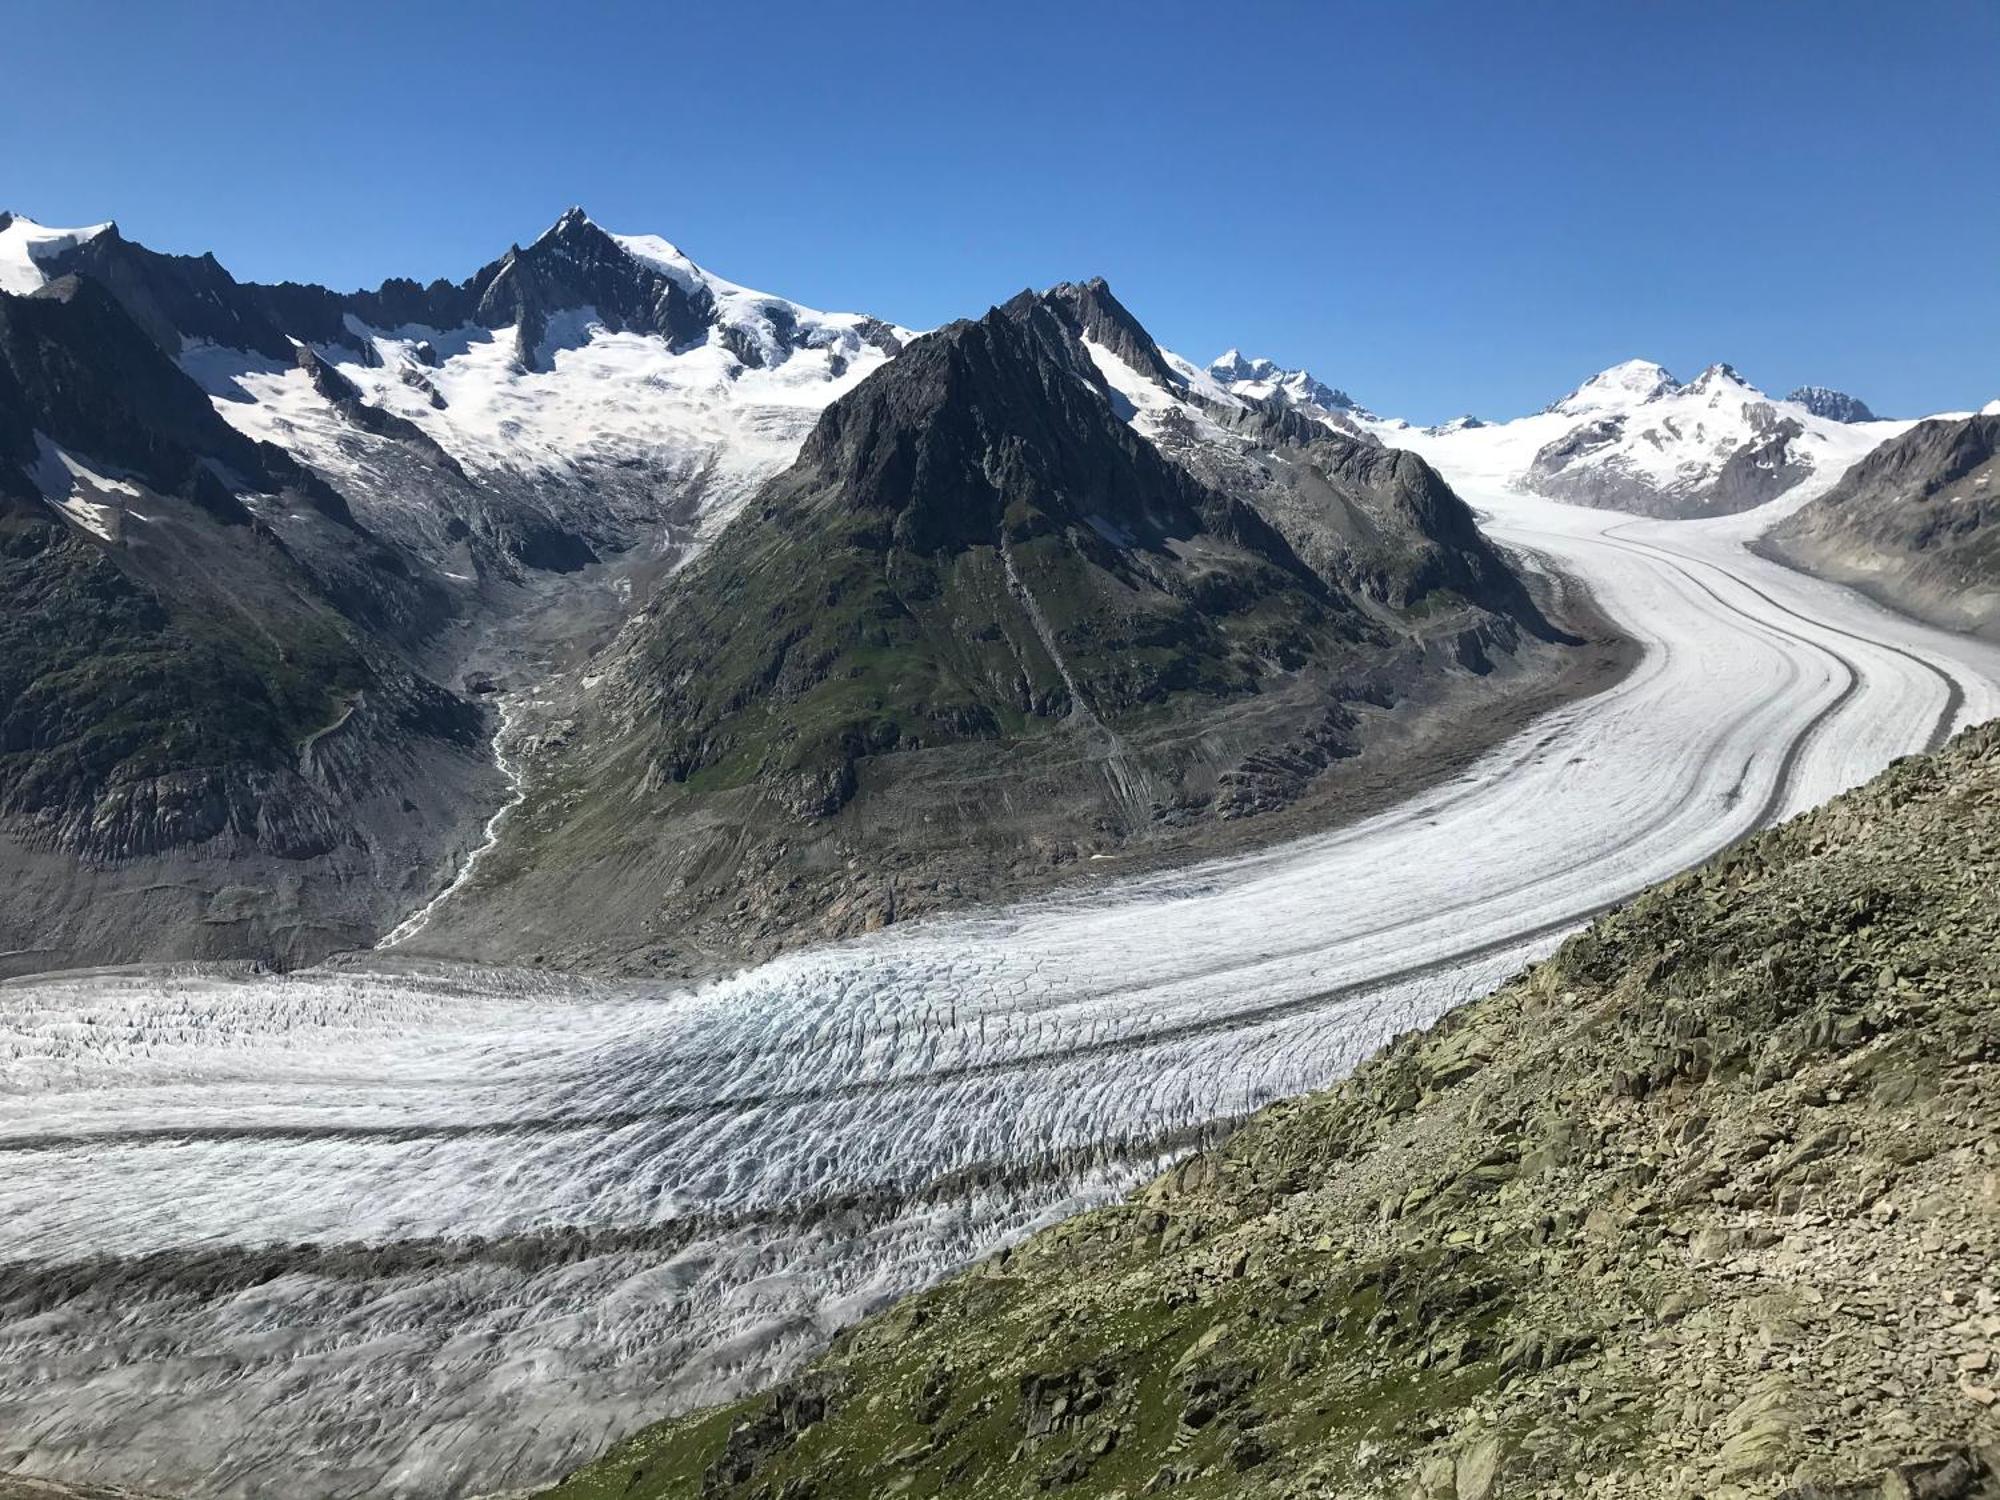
[1835,406]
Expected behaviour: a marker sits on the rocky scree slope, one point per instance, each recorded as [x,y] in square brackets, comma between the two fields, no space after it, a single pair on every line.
[1706,1205]
[199,670]
[984,622]
[1916,522]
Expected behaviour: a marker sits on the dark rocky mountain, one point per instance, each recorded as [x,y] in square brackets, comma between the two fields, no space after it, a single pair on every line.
[249,540]
[1835,406]
[996,629]
[1916,522]
[993,619]
[203,667]
[574,264]
[1376,523]
[1700,1207]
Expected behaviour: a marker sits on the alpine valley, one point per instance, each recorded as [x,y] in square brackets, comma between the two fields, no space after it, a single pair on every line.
[615,882]
[784,623]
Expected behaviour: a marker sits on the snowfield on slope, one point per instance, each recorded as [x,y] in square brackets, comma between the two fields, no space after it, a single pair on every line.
[463,1228]
[625,422]
[24,245]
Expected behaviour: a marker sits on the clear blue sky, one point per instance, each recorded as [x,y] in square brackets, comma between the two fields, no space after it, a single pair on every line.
[1441,207]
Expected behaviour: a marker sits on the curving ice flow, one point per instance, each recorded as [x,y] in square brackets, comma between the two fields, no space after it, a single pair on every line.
[431,1231]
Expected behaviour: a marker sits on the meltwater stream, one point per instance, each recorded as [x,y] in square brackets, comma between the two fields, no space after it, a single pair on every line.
[447,1231]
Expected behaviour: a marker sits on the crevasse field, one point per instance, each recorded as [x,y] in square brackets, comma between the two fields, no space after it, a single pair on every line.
[450,1231]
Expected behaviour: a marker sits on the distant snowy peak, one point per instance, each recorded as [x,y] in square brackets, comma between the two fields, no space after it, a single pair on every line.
[1722,383]
[1990,409]
[1633,438]
[1466,423]
[1622,385]
[645,284]
[1263,380]
[28,249]
[1835,406]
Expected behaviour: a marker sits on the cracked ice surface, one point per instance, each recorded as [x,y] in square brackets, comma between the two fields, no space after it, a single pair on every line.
[440,1231]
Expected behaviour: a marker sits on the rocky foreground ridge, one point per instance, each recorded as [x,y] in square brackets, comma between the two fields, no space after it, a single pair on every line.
[1706,1205]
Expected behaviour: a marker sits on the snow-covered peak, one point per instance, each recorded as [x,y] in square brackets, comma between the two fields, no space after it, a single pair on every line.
[1720,382]
[1625,384]
[663,255]
[773,326]
[1632,438]
[1231,365]
[1263,379]
[608,379]
[1990,409]
[572,218]
[25,245]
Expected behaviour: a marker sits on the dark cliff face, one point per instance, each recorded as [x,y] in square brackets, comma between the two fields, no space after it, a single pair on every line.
[1091,311]
[1928,459]
[176,297]
[1004,412]
[78,368]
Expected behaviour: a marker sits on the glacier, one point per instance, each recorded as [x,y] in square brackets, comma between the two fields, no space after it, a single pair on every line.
[394,1228]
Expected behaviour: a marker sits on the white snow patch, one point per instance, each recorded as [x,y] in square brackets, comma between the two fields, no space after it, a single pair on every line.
[24,245]
[87,499]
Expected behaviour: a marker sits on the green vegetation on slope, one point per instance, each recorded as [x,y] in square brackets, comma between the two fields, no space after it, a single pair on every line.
[1707,1205]
[105,691]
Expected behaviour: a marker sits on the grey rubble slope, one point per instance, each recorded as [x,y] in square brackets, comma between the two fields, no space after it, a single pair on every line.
[983,626]
[1917,522]
[1706,1205]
